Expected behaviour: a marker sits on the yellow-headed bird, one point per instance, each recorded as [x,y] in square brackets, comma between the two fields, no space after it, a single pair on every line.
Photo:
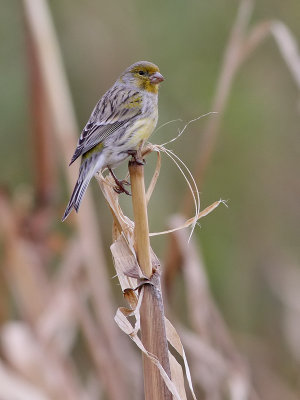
[121,121]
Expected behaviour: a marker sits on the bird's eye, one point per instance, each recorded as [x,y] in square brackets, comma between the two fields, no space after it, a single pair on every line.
[141,73]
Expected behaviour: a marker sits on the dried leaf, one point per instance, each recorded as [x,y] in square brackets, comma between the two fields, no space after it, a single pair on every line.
[191,221]
[175,341]
[177,376]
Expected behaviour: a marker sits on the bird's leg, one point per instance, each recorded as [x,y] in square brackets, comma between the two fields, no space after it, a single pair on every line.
[137,154]
[120,184]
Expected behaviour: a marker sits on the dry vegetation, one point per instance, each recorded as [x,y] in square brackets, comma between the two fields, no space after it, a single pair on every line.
[65,343]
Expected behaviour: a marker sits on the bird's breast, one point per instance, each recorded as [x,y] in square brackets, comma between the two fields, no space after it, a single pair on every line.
[142,129]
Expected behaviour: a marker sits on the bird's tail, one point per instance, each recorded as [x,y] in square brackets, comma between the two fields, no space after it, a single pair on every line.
[86,172]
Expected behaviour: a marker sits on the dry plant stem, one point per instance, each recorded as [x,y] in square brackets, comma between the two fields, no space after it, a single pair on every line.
[154,339]
[23,271]
[141,228]
[41,126]
[153,331]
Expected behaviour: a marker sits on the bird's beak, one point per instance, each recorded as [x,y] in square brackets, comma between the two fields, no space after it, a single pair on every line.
[156,78]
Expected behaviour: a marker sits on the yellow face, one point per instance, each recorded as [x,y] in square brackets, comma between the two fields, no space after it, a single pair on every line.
[144,75]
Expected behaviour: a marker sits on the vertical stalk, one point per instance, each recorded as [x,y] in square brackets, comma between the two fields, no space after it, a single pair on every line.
[141,227]
[43,154]
[153,332]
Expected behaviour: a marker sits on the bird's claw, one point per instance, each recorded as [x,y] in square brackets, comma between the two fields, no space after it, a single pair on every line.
[120,188]
[136,157]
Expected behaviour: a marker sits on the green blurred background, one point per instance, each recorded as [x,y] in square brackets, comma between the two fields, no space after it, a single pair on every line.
[256,162]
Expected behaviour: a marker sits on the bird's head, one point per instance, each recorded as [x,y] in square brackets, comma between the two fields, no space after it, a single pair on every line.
[143,75]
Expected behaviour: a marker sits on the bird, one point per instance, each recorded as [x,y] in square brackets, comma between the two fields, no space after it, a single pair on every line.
[122,120]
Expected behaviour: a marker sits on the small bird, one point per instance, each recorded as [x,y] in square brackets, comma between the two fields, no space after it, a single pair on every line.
[119,125]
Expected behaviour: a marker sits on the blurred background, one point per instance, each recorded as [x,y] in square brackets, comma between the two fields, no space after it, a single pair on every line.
[250,250]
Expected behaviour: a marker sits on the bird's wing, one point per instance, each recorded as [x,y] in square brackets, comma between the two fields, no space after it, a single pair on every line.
[116,108]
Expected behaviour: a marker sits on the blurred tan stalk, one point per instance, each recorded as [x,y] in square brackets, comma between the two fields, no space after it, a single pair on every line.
[43,152]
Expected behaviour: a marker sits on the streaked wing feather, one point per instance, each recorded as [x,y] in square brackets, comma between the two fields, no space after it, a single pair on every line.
[110,114]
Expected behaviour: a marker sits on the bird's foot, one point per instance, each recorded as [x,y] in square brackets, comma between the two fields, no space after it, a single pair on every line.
[119,188]
[136,155]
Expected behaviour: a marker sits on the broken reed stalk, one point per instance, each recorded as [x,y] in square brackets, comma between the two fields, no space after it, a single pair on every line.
[153,332]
